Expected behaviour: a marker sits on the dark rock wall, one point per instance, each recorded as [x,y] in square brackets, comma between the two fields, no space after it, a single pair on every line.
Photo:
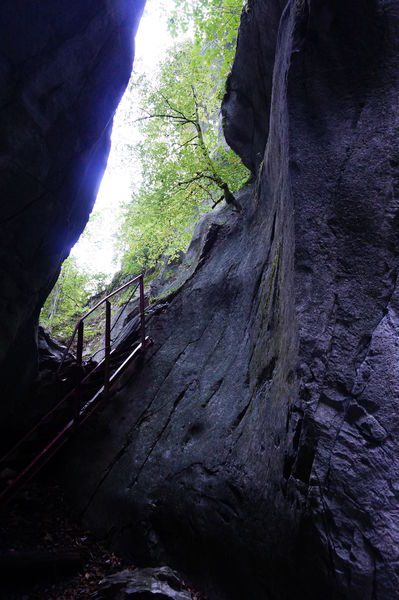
[246,108]
[257,447]
[344,125]
[63,68]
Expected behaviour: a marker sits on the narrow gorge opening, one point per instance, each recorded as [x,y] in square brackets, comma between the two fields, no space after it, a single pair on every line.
[242,430]
[168,166]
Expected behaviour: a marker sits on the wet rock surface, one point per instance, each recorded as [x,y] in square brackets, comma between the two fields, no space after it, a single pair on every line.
[175,464]
[144,584]
[246,106]
[63,69]
[256,448]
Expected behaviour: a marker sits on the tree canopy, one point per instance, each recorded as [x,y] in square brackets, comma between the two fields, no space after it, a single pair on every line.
[186,164]
[186,167]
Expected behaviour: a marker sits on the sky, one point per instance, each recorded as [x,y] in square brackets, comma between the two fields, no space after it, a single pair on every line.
[96,252]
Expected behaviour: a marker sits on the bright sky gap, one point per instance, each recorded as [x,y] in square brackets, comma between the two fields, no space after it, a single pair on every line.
[96,251]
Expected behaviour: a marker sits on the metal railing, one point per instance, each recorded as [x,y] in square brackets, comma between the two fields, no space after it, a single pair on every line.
[80,328]
[82,405]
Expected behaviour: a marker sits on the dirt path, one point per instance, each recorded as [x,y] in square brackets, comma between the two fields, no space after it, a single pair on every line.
[39,522]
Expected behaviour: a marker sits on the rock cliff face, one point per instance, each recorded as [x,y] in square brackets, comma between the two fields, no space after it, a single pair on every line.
[63,68]
[257,447]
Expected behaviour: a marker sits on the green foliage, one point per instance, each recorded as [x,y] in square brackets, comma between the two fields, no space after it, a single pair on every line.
[67,301]
[185,165]
[185,161]
[214,24]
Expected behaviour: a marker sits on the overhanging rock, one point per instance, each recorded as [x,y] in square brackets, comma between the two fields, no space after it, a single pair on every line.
[63,68]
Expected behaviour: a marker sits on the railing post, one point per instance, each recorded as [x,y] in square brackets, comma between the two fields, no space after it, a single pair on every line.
[107,345]
[142,312]
[79,349]
[75,408]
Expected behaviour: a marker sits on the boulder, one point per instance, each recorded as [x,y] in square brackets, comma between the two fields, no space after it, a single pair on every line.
[144,584]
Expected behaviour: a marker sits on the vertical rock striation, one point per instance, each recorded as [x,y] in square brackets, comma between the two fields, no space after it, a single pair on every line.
[63,68]
[257,447]
[344,169]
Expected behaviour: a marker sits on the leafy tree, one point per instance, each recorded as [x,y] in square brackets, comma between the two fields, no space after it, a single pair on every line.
[214,24]
[187,167]
[67,301]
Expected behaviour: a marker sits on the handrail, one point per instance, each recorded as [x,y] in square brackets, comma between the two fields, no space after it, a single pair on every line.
[120,289]
[78,403]
[79,328]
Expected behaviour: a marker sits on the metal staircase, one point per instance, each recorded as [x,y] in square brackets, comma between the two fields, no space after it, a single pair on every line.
[53,430]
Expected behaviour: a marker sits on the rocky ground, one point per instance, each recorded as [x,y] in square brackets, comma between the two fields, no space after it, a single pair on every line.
[39,524]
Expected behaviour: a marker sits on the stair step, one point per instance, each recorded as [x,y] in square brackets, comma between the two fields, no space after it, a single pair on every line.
[39,445]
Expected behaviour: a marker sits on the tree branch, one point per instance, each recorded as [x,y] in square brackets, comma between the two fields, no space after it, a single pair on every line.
[188,142]
[183,120]
[228,195]
[176,110]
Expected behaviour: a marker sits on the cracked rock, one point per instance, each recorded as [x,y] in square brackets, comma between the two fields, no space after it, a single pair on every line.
[243,451]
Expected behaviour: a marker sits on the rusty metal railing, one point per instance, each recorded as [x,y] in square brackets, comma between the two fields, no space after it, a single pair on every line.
[80,328]
[56,427]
